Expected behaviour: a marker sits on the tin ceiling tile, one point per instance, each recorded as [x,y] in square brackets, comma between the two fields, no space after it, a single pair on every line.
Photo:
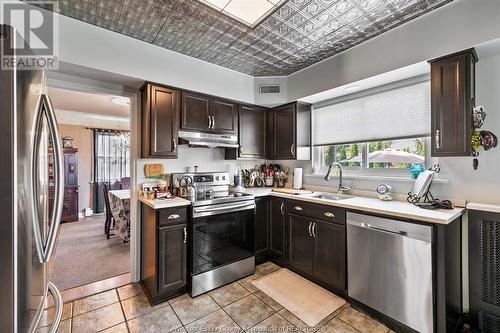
[298,34]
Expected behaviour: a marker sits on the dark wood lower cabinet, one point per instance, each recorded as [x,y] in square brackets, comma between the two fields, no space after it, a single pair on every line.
[172,258]
[277,228]
[261,229]
[300,243]
[163,252]
[330,255]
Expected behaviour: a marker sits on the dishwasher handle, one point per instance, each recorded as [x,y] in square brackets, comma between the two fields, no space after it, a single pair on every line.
[399,232]
[390,226]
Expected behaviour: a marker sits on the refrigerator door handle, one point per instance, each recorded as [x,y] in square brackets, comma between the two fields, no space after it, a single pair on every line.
[45,109]
[58,301]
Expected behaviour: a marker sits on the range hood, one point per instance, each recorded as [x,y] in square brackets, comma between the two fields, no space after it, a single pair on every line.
[200,139]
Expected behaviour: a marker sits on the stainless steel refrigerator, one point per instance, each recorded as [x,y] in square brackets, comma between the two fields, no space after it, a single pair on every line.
[31,166]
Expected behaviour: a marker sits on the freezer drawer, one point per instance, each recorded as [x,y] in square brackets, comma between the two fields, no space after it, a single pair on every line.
[390,268]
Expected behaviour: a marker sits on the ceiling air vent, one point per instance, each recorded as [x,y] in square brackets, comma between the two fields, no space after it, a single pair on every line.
[269,89]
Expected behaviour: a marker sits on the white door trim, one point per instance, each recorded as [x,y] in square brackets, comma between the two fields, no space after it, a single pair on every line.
[75,83]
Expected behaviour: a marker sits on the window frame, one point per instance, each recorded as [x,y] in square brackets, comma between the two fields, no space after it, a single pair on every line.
[364,170]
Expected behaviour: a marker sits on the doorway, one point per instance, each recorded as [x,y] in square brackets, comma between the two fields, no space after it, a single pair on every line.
[94,239]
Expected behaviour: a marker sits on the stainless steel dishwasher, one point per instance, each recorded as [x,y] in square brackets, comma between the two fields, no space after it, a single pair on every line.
[390,268]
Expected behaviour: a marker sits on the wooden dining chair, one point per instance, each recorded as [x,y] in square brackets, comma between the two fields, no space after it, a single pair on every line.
[109,216]
[125,183]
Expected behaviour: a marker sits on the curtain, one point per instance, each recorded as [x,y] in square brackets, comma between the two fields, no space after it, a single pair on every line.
[111,162]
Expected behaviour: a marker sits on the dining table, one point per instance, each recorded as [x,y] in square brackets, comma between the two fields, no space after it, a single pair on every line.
[119,201]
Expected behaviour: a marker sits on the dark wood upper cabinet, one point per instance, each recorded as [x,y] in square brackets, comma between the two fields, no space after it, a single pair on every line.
[452,102]
[289,130]
[252,132]
[196,112]
[284,132]
[224,116]
[160,121]
[208,114]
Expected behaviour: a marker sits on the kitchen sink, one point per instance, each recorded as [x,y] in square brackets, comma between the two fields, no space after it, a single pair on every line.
[330,196]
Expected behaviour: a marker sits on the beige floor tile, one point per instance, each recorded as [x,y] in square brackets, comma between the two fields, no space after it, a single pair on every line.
[297,322]
[190,309]
[130,290]
[267,267]
[120,328]
[64,327]
[138,305]
[94,302]
[99,319]
[178,298]
[248,311]
[229,294]
[48,314]
[275,323]
[361,322]
[215,322]
[337,326]
[268,300]
[247,282]
[160,320]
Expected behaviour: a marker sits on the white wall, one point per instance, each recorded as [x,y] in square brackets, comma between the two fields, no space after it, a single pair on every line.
[271,99]
[458,25]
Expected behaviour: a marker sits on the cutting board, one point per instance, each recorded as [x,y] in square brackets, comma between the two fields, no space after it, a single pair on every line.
[291,191]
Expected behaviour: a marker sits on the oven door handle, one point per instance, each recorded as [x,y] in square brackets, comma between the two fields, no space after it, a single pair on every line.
[199,212]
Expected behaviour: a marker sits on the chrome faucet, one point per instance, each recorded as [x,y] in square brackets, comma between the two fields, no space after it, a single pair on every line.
[342,188]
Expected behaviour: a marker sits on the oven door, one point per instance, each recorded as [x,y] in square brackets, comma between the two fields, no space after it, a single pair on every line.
[222,234]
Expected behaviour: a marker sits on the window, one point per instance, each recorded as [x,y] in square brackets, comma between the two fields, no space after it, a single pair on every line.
[380,130]
[384,154]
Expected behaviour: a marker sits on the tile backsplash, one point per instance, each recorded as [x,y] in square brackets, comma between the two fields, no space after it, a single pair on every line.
[207,159]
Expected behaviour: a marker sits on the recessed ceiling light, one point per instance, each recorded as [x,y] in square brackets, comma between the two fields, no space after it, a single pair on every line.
[248,12]
[120,100]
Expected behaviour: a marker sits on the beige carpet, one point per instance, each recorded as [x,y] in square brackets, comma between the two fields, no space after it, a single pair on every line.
[306,300]
[84,255]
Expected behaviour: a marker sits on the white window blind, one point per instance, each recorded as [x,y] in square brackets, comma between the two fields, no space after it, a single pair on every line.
[403,111]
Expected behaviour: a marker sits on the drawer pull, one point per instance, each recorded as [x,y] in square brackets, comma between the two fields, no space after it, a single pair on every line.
[328,214]
[174,217]
[297,208]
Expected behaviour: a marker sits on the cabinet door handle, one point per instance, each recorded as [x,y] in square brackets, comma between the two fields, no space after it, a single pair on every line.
[174,144]
[329,214]
[185,235]
[174,217]
[437,138]
[213,122]
[282,208]
[209,122]
[310,226]
[292,149]
[297,208]
[314,230]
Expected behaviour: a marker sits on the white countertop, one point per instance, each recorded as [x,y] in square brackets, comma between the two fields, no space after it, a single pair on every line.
[165,203]
[371,205]
[484,207]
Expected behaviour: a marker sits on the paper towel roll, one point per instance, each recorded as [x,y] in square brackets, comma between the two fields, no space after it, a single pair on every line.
[297,178]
